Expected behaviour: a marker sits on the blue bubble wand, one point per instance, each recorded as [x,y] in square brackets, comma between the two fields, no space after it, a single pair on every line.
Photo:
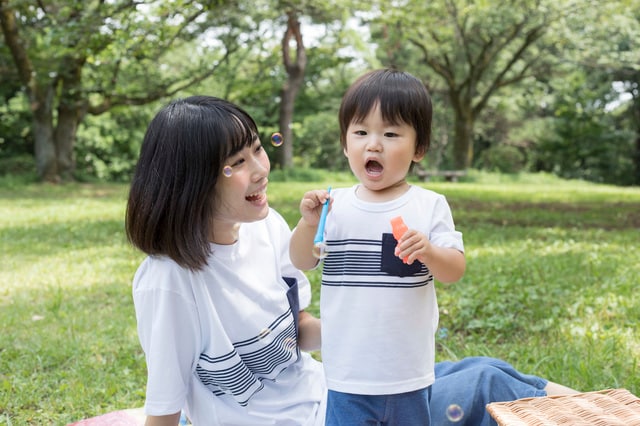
[319,246]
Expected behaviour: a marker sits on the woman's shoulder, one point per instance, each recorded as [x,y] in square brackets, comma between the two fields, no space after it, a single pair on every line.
[160,272]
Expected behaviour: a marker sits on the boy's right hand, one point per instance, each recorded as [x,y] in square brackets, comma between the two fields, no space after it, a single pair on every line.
[311,206]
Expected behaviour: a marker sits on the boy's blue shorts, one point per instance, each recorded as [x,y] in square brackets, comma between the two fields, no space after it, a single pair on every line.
[404,409]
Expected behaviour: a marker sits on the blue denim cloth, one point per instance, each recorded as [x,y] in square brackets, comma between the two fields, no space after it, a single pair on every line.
[405,409]
[463,389]
[458,397]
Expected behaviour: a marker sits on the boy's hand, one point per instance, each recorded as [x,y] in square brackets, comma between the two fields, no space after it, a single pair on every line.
[413,245]
[311,206]
[446,264]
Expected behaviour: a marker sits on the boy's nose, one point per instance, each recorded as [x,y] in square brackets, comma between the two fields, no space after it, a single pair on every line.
[374,144]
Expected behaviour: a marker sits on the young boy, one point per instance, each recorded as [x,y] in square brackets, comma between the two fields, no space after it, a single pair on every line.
[378,302]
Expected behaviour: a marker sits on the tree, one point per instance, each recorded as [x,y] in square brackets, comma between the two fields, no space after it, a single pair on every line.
[77,58]
[600,47]
[295,76]
[319,12]
[474,47]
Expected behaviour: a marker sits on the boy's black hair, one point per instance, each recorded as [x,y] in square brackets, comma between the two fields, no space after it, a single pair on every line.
[402,98]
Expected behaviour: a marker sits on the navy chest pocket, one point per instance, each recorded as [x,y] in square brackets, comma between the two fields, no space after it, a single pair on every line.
[392,264]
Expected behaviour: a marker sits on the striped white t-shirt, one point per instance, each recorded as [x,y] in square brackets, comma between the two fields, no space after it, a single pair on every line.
[221,342]
[379,315]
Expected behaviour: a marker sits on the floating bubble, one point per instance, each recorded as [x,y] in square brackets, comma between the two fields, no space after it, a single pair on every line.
[320,250]
[227,171]
[264,333]
[443,333]
[454,413]
[277,139]
[290,344]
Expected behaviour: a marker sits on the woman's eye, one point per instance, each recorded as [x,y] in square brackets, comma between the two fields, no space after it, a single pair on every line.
[237,162]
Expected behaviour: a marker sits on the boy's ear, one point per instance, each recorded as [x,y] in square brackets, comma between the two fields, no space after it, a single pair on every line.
[419,155]
[344,151]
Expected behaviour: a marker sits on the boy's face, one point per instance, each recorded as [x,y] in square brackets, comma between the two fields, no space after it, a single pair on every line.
[242,195]
[380,153]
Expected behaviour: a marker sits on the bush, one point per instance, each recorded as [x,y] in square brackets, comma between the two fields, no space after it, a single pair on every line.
[503,159]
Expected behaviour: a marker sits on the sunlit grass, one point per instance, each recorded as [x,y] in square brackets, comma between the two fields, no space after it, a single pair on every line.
[550,286]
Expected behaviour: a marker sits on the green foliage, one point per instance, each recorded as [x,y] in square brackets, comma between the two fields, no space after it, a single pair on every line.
[108,146]
[502,158]
[550,286]
[319,143]
[549,104]
[16,138]
[584,139]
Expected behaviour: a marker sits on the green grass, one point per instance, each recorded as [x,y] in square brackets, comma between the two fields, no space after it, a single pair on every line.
[552,269]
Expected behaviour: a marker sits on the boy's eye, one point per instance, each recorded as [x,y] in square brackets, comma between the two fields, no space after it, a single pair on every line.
[360,132]
[390,134]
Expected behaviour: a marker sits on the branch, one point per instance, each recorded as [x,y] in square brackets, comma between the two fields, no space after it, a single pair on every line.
[443,71]
[293,31]
[16,45]
[156,93]
[499,81]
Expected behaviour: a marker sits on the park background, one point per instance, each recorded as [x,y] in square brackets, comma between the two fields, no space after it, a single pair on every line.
[536,102]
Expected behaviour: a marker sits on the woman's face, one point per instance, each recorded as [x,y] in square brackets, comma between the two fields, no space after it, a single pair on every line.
[241,192]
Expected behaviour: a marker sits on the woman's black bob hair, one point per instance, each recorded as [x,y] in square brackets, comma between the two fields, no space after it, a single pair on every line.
[172,200]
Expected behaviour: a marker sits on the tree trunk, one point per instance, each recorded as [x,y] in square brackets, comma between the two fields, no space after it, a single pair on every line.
[295,72]
[64,138]
[462,146]
[636,156]
[285,152]
[45,150]
[69,115]
[464,121]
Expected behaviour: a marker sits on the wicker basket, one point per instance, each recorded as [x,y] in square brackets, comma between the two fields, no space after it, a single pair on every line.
[609,407]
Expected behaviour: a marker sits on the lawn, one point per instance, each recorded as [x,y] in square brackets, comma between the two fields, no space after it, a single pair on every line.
[552,269]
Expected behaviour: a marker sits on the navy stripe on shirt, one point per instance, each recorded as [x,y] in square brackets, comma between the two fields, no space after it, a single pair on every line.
[357,263]
[240,372]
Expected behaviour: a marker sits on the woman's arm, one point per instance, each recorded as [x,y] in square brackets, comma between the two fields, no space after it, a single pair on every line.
[169,420]
[309,332]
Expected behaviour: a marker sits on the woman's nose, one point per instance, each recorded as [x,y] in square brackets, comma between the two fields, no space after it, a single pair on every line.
[261,167]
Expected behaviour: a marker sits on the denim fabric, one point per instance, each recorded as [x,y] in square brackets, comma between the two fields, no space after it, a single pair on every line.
[405,409]
[463,389]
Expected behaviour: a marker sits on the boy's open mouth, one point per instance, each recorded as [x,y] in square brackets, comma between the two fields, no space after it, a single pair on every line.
[373,167]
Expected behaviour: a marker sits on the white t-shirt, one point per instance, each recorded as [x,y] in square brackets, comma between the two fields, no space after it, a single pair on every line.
[221,342]
[378,315]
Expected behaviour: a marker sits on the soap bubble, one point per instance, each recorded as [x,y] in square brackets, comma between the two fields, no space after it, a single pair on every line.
[454,413]
[320,251]
[227,171]
[290,344]
[277,139]
[264,333]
